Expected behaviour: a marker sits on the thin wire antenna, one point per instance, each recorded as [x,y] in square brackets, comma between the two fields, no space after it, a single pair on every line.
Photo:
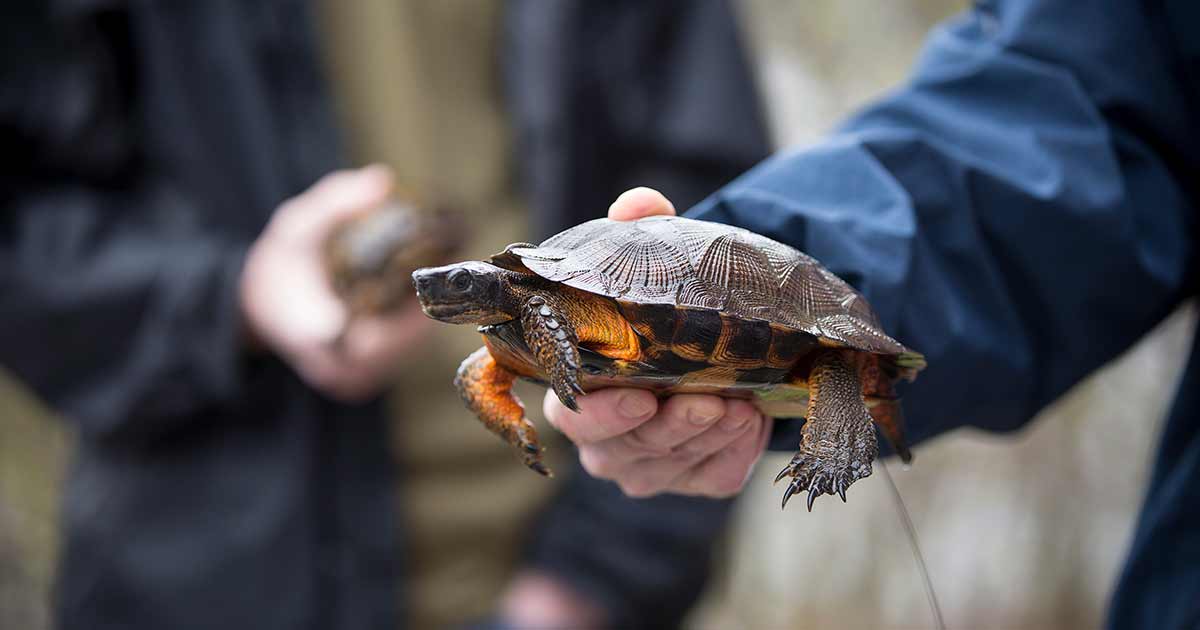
[936,610]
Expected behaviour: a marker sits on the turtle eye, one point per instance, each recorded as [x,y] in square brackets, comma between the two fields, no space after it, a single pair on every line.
[460,279]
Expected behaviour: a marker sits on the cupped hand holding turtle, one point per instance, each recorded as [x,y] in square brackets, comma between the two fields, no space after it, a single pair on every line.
[686,444]
[289,306]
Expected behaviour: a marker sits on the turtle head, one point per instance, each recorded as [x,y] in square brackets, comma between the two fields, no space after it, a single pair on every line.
[470,292]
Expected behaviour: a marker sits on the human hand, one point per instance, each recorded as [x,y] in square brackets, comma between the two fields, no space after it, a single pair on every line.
[536,599]
[686,444]
[288,304]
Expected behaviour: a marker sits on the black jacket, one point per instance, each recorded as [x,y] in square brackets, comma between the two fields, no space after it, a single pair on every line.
[145,146]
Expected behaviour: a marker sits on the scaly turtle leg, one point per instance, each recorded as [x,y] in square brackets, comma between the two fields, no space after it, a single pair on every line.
[487,389]
[838,443]
[551,336]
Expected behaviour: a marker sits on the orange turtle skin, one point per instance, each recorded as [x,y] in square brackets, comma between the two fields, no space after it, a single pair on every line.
[676,305]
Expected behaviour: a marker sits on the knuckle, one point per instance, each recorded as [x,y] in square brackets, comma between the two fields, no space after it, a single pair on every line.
[638,444]
[685,458]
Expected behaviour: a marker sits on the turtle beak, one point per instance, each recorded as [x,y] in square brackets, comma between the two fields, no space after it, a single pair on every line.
[437,299]
[424,280]
[462,293]
[428,282]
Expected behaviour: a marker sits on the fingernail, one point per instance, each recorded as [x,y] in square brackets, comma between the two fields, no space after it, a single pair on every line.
[735,423]
[702,417]
[633,406]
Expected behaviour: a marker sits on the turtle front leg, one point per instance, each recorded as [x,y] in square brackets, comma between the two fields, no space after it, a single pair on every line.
[486,387]
[551,337]
[838,443]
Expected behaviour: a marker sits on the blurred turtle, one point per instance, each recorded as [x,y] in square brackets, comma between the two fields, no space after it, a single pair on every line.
[677,305]
[370,259]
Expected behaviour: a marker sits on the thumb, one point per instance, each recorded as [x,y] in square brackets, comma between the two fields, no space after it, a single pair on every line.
[639,202]
[337,197]
[346,194]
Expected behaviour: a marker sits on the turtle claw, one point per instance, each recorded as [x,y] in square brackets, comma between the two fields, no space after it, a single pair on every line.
[564,376]
[811,474]
[531,451]
[567,398]
[792,489]
[538,467]
[787,470]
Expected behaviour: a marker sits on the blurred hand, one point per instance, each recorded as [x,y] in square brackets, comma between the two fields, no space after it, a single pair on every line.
[288,304]
[536,600]
[687,444]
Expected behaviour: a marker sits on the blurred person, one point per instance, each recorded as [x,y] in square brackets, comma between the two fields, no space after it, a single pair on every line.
[421,89]
[170,176]
[1022,211]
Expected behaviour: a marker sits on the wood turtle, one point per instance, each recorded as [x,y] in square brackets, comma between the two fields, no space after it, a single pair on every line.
[370,259]
[678,305]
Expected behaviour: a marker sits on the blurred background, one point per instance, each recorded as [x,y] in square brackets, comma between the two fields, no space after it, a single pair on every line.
[1020,531]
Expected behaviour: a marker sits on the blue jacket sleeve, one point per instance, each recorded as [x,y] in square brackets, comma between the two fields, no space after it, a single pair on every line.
[1019,211]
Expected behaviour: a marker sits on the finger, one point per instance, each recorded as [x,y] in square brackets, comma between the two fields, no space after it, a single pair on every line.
[617,453]
[680,418]
[643,468]
[640,475]
[739,417]
[602,414]
[335,377]
[336,198]
[725,472]
[276,280]
[640,478]
[623,458]
[639,202]
[349,190]
[378,341]
[653,475]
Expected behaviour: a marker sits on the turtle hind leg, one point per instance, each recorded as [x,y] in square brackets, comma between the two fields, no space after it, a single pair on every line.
[487,389]
[838,443]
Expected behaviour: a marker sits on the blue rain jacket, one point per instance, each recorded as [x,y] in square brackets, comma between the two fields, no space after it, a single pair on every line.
[1022,211]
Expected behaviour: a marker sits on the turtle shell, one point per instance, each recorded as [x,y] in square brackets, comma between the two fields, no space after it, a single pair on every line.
[686,263]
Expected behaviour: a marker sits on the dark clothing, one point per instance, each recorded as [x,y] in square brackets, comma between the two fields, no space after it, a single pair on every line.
[606,96]
[1022,211]
[145,146]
